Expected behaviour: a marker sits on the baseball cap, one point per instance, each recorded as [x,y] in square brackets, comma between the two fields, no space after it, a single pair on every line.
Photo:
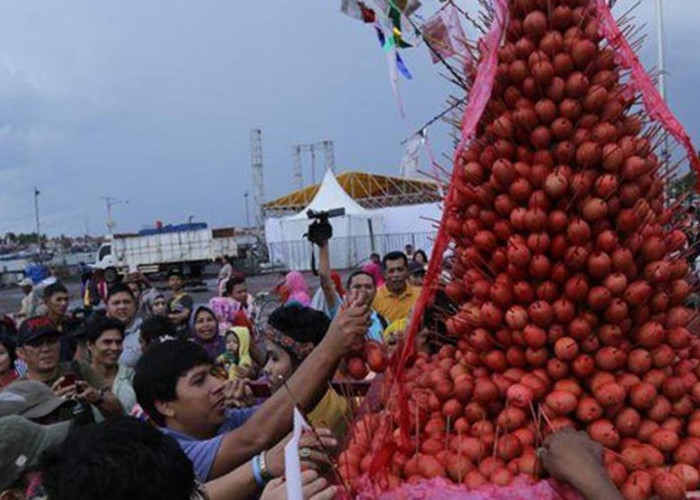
[174,271]
[35,328]
[30,399]
[21,444]
[26,282]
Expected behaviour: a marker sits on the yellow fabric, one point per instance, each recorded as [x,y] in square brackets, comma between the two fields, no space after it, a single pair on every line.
[330,412]
[244,359]
[395,307]
[396,330]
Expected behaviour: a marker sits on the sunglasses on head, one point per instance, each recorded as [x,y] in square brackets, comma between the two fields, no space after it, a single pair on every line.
[49,340]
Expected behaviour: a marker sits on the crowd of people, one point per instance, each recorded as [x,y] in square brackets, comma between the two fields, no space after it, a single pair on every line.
[150,395]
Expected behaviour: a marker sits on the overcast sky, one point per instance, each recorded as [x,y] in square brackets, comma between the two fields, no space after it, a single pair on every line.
[153,101]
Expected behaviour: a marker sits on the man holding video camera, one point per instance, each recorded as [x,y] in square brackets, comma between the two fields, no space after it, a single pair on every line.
[327,298]
[319,233]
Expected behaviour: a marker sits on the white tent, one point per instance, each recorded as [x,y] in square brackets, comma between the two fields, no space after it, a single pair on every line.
[404,224]
[354,234]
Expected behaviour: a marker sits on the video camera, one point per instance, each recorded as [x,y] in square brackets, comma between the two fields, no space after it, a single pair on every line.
[320,230]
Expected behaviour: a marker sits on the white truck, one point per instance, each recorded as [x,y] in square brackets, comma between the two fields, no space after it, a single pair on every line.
[188,247]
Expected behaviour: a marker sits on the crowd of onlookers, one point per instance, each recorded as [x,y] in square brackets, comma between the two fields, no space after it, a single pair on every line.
[144,394]
[147,395]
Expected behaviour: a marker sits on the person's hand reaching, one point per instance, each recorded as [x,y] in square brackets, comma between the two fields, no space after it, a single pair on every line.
[314,487]
[87,393]
[238,394]
[349,327]
[575,458]
[312,453]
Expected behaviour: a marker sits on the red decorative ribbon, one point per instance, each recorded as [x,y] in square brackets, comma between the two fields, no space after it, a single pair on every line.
[640,82]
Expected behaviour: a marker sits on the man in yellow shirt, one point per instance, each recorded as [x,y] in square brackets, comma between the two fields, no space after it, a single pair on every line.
[395,298]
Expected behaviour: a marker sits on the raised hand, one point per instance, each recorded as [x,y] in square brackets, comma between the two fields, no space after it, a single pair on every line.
[238,394]
[349,327]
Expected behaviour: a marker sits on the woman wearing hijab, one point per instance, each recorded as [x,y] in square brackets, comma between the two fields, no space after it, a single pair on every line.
[294,290]
[374,270]
[232,309]
[204,329]
[292,332]
[154,303]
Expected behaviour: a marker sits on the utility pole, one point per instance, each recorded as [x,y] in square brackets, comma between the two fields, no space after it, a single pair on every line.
[256,163]
[660,47]
[110,202]
[298,177]
[38,223]
[247,211]
[666,157]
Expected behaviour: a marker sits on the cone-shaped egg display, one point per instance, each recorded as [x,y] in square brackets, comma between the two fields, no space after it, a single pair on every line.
[567,300]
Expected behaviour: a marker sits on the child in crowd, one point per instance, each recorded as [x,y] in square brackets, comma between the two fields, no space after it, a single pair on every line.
[236,358]
[230,356]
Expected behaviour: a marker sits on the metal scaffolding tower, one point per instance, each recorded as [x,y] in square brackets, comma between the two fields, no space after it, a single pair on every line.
[326,147]
[110,201]
[256,160]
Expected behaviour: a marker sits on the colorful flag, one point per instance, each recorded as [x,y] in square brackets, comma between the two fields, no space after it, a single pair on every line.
[444,33]
[351,8]
[401,66]
[411,156]
[358,10]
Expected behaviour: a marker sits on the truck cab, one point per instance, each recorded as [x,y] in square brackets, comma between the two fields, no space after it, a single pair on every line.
[104,258]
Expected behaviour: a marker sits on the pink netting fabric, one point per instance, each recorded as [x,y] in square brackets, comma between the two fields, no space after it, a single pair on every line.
[478,99]
[641,83]
[445,490]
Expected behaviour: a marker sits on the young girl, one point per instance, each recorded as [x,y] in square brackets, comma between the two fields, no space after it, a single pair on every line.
[229,357]
[236,358]
[292,332]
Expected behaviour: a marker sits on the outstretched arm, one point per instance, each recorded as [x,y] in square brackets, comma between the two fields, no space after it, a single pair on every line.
[324,272]
[305,388]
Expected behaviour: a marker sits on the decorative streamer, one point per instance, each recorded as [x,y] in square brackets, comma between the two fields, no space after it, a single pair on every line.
[402,67]
[443,31]
[393,58]
[411,158]
[640,81]
[433,161]
[358,10]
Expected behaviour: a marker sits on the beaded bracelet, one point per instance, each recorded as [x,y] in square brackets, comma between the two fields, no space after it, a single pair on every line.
[263,468]
[255,463]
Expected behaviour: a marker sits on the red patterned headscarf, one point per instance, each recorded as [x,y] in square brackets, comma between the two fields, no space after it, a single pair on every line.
[298,350]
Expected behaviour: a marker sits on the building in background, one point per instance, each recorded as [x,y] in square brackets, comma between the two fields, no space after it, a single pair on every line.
[382,213]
